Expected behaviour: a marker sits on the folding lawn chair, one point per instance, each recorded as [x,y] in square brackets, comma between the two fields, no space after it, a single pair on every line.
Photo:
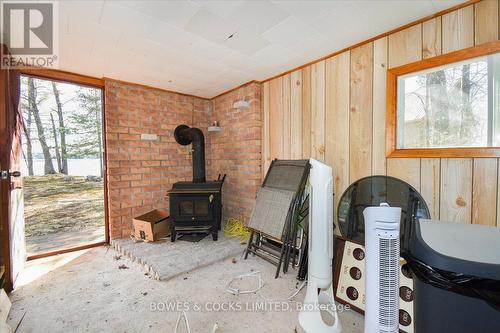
[277,213]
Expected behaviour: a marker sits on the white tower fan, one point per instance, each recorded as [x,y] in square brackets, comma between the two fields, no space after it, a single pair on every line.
[320,254]
[382,268]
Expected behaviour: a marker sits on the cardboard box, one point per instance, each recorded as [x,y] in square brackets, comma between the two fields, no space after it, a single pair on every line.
[152,226]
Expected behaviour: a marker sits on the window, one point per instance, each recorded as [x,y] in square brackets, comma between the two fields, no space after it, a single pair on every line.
[448,102]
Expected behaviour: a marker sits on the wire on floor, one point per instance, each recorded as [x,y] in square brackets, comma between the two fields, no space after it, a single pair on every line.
[235,227]
[183,314]
[236,291]
[289,298]
[257,274]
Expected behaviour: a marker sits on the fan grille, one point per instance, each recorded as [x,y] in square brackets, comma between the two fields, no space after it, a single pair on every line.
[389,281]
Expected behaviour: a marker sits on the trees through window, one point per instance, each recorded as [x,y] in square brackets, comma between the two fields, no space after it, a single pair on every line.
[452,106]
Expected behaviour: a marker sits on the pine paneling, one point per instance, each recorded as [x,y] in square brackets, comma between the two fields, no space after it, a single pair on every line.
[456,190]
[484,191]
[306,112]
[458,29]
[431,38]
[405,46]
[407,169]
[336,109]
[276,118]
[337,122]
[360,118]
[379,105]
[296,114]
[486,19]
[266,154]
[430,175]
[286,117]
[498,196]
[318,110]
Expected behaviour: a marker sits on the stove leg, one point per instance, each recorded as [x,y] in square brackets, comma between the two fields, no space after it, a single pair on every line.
[172,236]
[215,236]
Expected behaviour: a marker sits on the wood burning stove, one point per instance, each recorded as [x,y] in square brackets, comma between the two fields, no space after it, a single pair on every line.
[195,206]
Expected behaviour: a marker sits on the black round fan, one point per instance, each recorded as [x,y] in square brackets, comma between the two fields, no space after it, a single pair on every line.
[372,191]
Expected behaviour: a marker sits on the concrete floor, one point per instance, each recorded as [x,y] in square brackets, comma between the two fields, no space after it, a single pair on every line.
[164,259]
[91,293]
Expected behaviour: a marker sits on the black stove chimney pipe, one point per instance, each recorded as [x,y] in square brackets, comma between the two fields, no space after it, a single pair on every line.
[186,135]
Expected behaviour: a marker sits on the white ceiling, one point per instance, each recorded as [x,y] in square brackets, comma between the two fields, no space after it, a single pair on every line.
[184,45]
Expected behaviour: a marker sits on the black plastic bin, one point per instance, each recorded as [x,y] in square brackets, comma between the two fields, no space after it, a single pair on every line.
[456,277]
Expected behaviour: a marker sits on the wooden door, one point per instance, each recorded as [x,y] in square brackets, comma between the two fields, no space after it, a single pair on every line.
[11,190]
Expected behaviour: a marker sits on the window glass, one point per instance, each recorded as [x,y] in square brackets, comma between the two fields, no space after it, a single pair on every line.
[455,105]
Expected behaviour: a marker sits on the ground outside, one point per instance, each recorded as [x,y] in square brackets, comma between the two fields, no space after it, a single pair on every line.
[62,212]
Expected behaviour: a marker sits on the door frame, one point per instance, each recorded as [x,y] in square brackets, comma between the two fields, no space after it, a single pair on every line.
[5,184]
[87,81]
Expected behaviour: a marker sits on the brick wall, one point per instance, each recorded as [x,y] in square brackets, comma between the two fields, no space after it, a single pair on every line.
[236,150]
[141,172]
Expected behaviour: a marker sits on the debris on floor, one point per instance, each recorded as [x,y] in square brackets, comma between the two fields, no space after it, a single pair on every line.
[204,286]
[235,227]
[122,266]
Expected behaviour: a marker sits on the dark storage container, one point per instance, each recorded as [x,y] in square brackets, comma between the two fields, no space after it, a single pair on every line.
[456,276]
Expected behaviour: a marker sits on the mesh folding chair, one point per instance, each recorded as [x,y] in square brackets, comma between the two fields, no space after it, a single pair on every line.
[277,213]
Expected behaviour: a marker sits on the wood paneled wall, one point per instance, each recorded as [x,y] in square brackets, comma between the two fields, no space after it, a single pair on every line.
[334,111]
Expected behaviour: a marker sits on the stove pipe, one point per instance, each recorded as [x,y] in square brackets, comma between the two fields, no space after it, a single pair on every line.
[186,135]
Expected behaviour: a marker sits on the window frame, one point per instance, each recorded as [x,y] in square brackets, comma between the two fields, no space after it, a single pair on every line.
[392,104]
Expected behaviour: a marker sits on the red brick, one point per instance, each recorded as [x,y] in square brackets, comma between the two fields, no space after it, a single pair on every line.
[141,172]
[236,150]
